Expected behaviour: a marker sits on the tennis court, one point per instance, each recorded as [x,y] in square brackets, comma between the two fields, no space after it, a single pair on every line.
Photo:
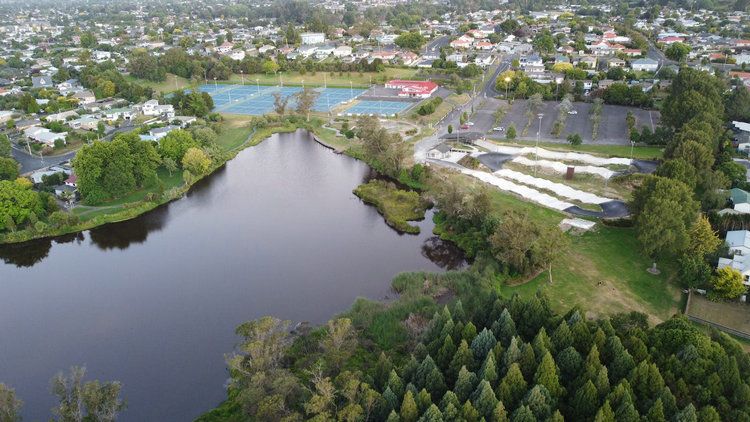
[383,108]
[253,99]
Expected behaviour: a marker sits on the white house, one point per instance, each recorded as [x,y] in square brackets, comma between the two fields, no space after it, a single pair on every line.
[647,65]
[309,38]
[153,108]
[342,51]
[739,246]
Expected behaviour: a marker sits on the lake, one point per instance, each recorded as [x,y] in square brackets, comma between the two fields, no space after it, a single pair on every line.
[153,302]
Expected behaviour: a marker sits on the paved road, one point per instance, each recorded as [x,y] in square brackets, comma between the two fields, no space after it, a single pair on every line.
[433,47]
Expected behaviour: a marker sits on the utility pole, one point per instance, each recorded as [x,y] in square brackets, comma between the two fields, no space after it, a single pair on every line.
[538,134]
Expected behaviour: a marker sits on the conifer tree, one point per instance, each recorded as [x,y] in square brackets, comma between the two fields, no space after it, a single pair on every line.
[505,328]
[656,412]
[449,398]
[432,414]
[527,362]
[390,400]
[435,384]
[484,399]
[512,355]
[482,344]
[446,352]
[541,343]
[424,400]
[382,371]
[469,413]
[425,368]
[458,311]
[409,412]
[688,415]
[523,414]
[469,332]
[499,414]
[546,375]
[512,387]
[605,413]
[570,363]
[561,337]
[585,402]
[393,417]
[465,384]
[395,384]
[463,357]
[539,402]
[488,371]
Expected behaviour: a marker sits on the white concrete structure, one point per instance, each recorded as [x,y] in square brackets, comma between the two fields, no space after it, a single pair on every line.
[309,38]
[554,155]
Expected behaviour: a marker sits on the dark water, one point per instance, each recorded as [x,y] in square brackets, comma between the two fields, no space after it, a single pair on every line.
[153,302]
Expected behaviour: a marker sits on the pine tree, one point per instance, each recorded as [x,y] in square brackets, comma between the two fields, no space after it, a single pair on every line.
[512,387]
[561,337]
[645,380]
[605,413]
[484,399]
[523,414]
[527,361]
[425,368]
[432,414]
[626,412]
[409,412]
[601,382]
[435,384]
[581,336]
[393,417]
[447,330]
[469,413]
[408,370]
[469,332]
[512,355]
[585,402]
[546,375]
[488,371]
[463,357]
[707,414]
[499,414]
[541,343]
[451,412]
[656,412]
[570,363]
[506,328]
[458,311]
[669,401]
[424,400]
[539,402]
[382,371]
[482,344]
[390,399]
[533,317]
[449,398]
[395,384]
[688,415]
[464,384]
[420,352]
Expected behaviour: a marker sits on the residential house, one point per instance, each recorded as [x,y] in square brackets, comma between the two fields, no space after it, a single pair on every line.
[740,200]
[739,247]
[62,116]
[630,52]
[417,89]
[324,51]
[440,152]
[84,97]
[5,116]
[42,82]
[266,49]
[646,65]
[589,61]
[44,136]
[160,132]
[85,122]
[120,113]
[153,108]
[342,51]
[612,63]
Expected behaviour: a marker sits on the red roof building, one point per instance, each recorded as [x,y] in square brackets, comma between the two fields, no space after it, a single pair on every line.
[418,89]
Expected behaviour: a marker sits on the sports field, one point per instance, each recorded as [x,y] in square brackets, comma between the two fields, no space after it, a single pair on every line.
[257,100]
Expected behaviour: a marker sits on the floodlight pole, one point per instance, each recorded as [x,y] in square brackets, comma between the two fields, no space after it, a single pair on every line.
[538,134]
[257,85]
[351,90]
[632,145]
[216,88]
[242,76]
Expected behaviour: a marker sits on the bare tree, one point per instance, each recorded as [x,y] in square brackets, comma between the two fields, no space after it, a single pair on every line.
[280,103]
[306,100]
[90,401]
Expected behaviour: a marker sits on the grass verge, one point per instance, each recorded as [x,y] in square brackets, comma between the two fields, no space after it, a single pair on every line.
[396,205]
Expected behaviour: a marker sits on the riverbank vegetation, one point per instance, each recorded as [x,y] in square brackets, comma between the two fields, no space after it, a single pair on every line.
[396,205]
[482,357]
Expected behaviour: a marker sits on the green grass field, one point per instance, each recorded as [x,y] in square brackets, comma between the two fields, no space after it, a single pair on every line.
[169,182]
[234,131]
[732,315]
[459,99]
[173,83]
[321,78]
[639,152]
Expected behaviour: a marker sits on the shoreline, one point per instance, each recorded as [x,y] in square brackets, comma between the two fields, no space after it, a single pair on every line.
[136,209]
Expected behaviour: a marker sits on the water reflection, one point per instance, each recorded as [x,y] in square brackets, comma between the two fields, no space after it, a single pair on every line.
[25,254]
[444,254]
[121,235]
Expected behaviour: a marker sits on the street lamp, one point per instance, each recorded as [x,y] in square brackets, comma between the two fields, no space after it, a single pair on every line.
[281,83]
[257,85]
[216,88]
[632,145]
[242,77]
[507,83]
[538,133]
[303,84]
[351,90]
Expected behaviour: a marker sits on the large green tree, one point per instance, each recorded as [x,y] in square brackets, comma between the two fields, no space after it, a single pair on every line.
[693,94]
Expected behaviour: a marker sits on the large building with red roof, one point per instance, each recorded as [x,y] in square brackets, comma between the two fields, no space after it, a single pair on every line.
[418,89]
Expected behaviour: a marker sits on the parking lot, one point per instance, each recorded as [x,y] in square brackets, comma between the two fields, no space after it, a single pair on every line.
[612,128]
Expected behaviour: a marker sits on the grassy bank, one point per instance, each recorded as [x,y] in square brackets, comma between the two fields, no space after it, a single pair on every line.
[396,205]
[172,83]
[639,152]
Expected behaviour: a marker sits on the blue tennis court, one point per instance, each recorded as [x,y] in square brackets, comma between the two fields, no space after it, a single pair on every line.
[252,99]
[383,108]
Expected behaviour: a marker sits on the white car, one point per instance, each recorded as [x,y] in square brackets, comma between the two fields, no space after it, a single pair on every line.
[572,112]
[470,123]
[498,129]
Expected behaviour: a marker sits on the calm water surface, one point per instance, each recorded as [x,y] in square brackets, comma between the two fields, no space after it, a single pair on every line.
[153,302]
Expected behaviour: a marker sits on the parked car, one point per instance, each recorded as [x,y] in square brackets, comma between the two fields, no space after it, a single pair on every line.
[470,123]
[572,112]
[464,127]
[498,129]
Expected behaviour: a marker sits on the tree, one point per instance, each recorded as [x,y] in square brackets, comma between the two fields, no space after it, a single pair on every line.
[196,162]
[176,144]
[410,40]
[574,139]
[693,94]
[703,240]
[512,388]
[4,146]
[546,375]
[144,65]
[663,209]
[727,282]
[409,412]
[677,51]
[305,101]
[170,165]
[18,202]
[737,104]
[100,128]
[10,406]
[90,401]
[511,132]
[280,103]
[270,67]
[28,104]
[694,271]
[8,169]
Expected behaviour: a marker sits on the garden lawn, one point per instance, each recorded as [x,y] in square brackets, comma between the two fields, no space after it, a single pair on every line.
[234,131]
[169,182]
[610,255]
[172,83]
